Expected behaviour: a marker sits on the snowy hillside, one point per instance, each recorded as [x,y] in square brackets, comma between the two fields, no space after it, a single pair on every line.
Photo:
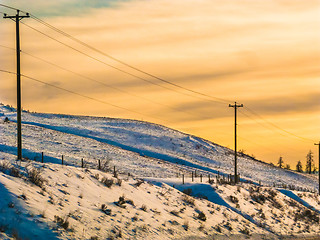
[145,197]
[140,148]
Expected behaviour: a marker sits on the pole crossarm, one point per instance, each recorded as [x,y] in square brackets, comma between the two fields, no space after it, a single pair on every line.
[235,106]
[17,16]
[17,19]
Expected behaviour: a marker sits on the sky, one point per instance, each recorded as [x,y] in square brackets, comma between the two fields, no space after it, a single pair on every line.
[262,54]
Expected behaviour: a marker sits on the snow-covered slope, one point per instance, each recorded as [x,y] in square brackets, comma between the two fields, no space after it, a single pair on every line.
[135,147]
[53,201]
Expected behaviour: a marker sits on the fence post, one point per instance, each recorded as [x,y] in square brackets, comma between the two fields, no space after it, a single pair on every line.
[99,164]
[81,162]
[192,176]
[62,160]
[42,157]
[114,171]
[201,178]
[209,178]
[182,178]
[195,173]
[218,174]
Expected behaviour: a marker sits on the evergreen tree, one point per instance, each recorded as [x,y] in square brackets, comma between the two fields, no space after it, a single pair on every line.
[287,166]
[280,163]
[310,162]
[299,166]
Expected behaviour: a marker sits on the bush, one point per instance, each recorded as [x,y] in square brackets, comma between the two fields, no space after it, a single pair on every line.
[105,209]
[188,200]
[228,226]
[121,202]
[202,216]
[15,172]
[233,199]
[245,231]
[4,166]
[175,213]
[64,223]
[107,182]
[34,175]
[186,225]
[144,207]
[139,182]
[307,215]
[259,198]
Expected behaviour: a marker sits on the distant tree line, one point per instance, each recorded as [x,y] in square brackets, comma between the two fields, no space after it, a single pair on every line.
[309,167]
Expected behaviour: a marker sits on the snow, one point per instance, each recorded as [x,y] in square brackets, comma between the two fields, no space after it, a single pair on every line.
[160,210]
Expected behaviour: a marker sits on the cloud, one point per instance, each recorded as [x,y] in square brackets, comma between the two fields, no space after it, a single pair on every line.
[264,54]
[61,7]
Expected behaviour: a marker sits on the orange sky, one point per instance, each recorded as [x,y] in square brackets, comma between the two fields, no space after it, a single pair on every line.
[264,54]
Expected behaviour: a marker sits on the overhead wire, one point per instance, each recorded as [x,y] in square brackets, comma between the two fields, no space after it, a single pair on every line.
[82,95]
[156,77]
[217,100]
[124,63]
[119,69]
[99,82]
[277,127]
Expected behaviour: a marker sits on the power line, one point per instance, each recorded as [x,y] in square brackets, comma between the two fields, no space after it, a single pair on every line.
[3,5]
[277,127]
[122,62]
[99,82]
[116,68]
[82,95]
[106,85]
[141,71]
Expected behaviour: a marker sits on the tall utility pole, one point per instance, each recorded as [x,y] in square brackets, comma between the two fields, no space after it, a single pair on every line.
[319,163]
[17,19]
[235,106]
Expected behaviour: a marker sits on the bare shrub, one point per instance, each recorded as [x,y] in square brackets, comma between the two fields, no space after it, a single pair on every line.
[259,198]
[189,200]
[121,202]
[245,231]
[175,213]
[233,199]
[104,165]
[105,209]
[307,215]
[62,222]
[139,182]
[228,226]
[119,182]
[186,225]
[143,207]
[201,227]
[96,176]
[15,172]
[4,166]
[107,182]
[34,176]
[218,228]
[202,216]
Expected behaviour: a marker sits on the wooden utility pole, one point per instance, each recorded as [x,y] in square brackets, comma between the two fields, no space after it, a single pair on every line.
[17,19]
[319,164]
[235,106]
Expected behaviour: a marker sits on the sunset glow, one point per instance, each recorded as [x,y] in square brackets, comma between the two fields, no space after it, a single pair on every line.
[263,54]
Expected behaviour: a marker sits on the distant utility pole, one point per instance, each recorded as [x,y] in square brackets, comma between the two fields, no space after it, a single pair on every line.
[235,106]
[319,163]
[17,19]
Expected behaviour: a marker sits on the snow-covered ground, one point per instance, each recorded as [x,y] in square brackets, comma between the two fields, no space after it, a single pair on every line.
[76,203]
[139,148]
